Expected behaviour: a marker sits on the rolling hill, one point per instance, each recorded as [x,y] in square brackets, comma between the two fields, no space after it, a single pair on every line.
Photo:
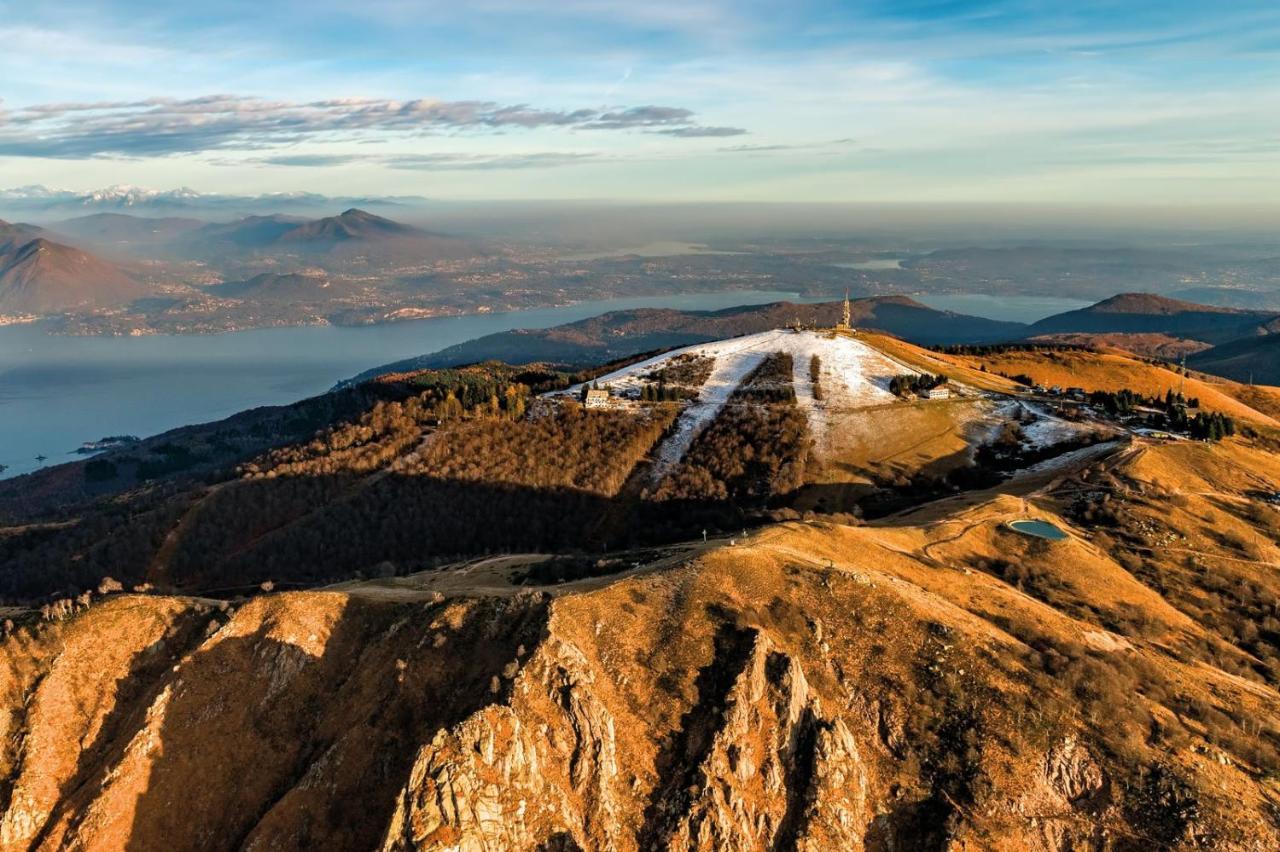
[1115,371]
[121,232]
[275,287]
[1249,359]
[1144,313]
[1150,345]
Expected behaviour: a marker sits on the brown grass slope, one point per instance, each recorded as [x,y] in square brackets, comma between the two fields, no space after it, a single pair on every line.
[1113,371]
[936,681]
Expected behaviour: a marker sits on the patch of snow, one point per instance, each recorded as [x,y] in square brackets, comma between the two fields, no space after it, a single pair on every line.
[1046,430]
[853,375]
[1066,459]
[728,372]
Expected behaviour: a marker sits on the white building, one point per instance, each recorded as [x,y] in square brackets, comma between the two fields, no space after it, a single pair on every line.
[596,398]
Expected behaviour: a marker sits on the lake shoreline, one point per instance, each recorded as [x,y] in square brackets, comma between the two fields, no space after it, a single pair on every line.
[58,392]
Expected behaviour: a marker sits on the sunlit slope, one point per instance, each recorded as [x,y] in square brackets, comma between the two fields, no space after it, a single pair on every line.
[938,679]
[926,360]
[1113,372]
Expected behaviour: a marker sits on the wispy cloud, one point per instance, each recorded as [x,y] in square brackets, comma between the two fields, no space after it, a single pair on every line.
[159,126]
[433,162]
[757,149]
[696,132]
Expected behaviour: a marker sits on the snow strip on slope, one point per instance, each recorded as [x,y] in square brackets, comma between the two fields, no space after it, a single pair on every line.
[853,375]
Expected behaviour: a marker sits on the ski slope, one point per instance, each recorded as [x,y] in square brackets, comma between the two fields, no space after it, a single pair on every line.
[853,375]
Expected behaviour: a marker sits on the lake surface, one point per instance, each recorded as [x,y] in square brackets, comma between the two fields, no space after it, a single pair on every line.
[1007,308]
[1039,529]
[880,264]
[56,393]
[663,248]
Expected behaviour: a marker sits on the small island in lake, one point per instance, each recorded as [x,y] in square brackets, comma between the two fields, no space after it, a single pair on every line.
[111,442]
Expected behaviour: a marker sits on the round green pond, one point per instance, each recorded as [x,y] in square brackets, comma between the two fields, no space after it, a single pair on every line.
[1039,529]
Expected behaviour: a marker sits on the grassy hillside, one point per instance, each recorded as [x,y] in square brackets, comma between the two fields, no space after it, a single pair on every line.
[1113,372]
[1251,359]
[932,679]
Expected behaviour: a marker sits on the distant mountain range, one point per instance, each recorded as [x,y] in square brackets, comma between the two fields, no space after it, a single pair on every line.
[352,232]
[43,201]
[40,273]
[1151,326]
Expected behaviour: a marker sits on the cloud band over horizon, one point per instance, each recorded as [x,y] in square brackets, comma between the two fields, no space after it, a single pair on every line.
[972,100]
[164,126]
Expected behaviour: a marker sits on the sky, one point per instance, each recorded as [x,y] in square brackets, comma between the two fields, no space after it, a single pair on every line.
[922,101]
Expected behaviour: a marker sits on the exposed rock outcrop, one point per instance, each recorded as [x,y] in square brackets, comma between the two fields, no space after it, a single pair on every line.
[737,701]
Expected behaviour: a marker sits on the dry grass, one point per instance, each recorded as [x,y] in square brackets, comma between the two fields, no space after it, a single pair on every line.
[1113,372]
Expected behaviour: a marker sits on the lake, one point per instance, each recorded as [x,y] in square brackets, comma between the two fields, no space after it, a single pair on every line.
[880,264]
[1038,529]
[56,393]
[662,248]
[1008,308]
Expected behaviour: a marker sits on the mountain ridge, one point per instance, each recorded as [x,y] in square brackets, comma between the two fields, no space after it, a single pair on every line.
[620,333]
[1248,359]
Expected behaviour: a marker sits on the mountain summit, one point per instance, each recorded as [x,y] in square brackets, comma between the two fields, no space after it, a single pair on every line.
[42,276]
[353,224]
[1146,313]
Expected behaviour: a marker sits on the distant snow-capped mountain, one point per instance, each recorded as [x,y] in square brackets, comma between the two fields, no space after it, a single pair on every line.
[37,200]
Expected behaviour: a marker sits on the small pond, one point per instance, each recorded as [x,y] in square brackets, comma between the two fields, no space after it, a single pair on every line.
[1039,529]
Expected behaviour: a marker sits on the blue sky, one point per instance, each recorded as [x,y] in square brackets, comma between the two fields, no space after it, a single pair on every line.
[944,101]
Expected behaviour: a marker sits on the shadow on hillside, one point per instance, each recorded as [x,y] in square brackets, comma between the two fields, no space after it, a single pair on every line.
[895,487]
[309,530]
[260,739]
[681,755]
[131,694]
[318,529]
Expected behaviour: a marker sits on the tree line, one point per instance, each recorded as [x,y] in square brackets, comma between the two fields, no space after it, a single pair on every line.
[1001,348]
[912,383]
[755,448]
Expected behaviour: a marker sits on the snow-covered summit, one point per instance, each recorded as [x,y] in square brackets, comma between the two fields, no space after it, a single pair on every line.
[852,375]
